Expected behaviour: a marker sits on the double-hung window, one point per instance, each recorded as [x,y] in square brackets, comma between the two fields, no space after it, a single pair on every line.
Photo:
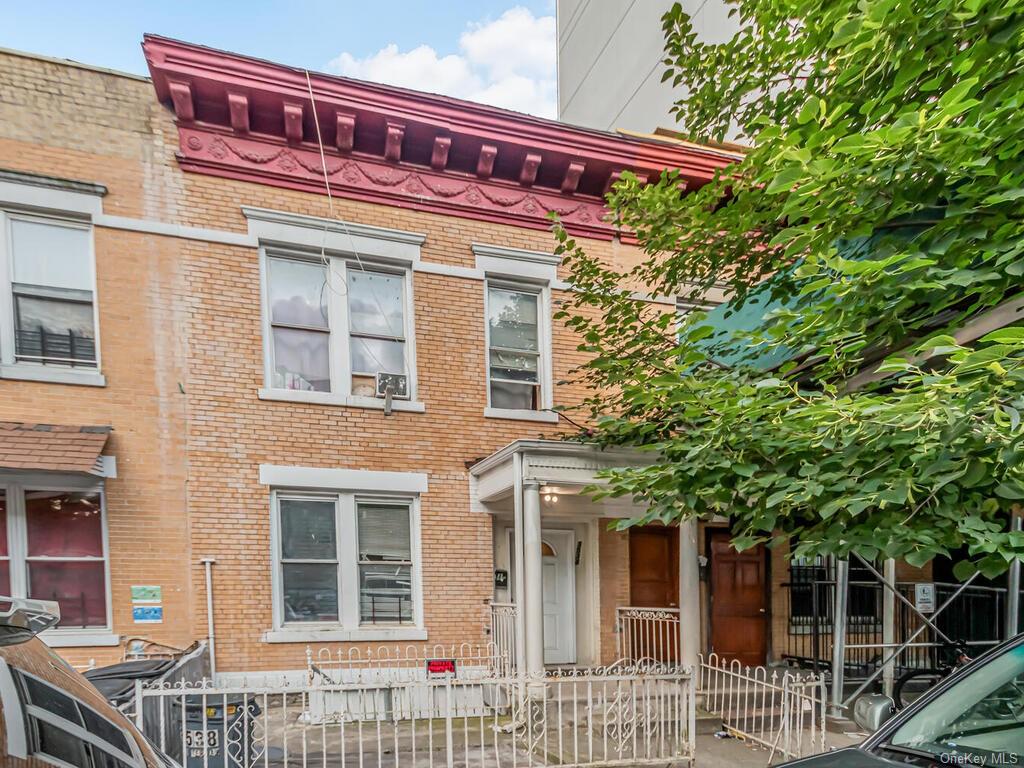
[53,547]
[335,324]
[385,562]
[515,347]
[48,301]
[298,294]
[344,560]
[376,310]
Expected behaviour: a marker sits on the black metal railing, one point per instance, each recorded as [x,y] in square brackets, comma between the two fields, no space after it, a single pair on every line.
[43,346]
[385,609]
[976,617]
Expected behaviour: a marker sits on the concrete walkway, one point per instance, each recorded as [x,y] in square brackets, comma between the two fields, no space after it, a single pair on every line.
[713,752]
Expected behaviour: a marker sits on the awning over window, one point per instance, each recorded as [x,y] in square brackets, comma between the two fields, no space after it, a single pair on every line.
[52,447]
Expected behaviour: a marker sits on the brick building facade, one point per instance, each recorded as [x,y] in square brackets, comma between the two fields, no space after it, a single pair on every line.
[247,433]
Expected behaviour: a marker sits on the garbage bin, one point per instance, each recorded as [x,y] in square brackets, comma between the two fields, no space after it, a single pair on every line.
[213,740]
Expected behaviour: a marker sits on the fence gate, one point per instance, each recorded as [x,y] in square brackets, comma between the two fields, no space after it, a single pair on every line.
[781,712]
[466,718]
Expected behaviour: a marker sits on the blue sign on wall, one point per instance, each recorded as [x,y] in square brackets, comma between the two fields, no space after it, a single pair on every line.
[148,614]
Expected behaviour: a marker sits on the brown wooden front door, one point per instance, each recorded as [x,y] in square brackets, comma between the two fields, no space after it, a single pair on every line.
[739,620]
[653,583]
[654,566]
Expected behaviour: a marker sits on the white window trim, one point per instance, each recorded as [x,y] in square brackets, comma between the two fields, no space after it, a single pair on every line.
[338,321]
[10,368]
[348,626]
[543,293]
[17,544]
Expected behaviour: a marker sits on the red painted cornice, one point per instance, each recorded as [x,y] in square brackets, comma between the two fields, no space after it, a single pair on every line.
[244,118]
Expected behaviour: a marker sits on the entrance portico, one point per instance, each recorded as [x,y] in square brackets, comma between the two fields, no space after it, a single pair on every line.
[567,575]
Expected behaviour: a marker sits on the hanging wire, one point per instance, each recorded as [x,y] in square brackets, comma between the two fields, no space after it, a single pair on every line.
[352,243]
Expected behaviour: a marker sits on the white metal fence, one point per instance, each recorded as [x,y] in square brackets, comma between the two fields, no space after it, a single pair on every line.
[780,711]
[647,633]
[619,715]
[503,635]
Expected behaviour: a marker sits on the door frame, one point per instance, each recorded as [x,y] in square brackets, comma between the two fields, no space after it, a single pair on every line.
[510,544]
[709,532]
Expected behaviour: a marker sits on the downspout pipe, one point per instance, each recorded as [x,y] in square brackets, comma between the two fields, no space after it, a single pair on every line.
[210,633]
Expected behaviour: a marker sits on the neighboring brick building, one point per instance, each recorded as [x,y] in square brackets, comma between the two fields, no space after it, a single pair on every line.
[173,269]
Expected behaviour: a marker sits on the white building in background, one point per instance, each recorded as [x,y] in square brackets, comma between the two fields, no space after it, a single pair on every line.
[609,60]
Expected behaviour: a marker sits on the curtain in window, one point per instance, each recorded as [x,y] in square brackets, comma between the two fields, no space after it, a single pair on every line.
[299,324]
[65,555]
[5,554]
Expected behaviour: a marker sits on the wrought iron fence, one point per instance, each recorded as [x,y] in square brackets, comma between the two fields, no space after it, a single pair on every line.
[780,711]
[619,715]
[647,633]
[369,665]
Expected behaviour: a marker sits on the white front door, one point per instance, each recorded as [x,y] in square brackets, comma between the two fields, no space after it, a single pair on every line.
[558,549]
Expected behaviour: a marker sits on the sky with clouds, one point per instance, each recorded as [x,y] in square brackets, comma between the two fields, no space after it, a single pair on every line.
[499,52]
[508,62]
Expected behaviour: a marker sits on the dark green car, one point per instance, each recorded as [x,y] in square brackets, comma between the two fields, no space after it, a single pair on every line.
[973,718]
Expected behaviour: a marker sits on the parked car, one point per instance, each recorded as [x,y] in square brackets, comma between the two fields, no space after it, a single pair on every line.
[975,717]
[49,713]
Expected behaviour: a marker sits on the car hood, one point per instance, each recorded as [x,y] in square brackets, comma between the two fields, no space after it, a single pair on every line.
[851,757]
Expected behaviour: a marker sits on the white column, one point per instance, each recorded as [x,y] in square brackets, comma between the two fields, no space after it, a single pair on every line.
[689,594]
[533,606]
[518,568]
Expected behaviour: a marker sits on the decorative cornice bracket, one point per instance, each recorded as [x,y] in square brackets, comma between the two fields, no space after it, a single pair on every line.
[181,98]
[238,106]
[393,141]
[439,156]
[528,174]
[485,165]
[293,123]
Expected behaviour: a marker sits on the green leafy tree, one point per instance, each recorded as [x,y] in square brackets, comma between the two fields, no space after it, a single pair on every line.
[878,214]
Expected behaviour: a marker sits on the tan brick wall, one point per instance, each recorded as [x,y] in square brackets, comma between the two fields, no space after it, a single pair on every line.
[614,584]
[182,352]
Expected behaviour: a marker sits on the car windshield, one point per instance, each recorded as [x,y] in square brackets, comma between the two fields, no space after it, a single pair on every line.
[979,720]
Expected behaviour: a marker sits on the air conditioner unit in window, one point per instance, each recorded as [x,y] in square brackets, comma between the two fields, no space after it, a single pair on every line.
[398,383]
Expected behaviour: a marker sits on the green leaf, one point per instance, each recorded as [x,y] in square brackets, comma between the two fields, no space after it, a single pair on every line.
[1010,490]
[963,570]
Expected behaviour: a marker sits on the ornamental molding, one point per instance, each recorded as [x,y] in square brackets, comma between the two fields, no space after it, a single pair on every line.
[256,121]
[379,181]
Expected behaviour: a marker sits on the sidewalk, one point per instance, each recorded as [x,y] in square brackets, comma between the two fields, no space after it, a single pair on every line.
[726,753]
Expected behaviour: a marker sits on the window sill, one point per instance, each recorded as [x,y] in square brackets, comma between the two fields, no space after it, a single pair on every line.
[547,417]
[298,635]
[79,638]
[52,375]
[329,398]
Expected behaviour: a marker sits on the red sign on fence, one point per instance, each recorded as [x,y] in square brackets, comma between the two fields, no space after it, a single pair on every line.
[440,666]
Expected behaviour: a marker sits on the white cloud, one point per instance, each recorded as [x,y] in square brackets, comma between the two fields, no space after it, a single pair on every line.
[508,62]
